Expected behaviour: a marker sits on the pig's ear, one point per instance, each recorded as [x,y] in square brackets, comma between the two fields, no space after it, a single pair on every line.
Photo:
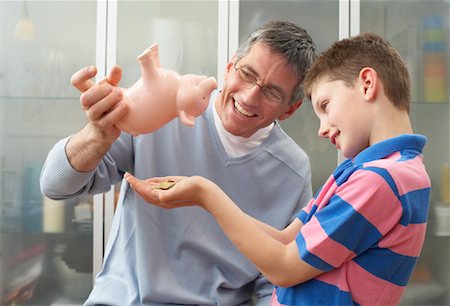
[187,119]
[155,55]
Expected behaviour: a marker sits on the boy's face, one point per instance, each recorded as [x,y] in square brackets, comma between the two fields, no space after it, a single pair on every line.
[344,116]
[242,106]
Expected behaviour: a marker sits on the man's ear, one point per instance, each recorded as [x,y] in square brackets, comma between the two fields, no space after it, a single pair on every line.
[292,108]
[368,81]
[229,66]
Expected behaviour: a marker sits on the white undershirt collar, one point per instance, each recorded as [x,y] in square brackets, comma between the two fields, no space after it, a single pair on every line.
[237,146]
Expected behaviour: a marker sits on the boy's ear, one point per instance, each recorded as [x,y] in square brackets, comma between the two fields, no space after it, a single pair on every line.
[368,79]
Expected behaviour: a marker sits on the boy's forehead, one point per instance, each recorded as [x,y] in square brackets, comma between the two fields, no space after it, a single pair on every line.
[319,87]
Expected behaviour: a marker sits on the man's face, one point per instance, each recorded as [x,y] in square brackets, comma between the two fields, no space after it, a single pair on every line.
[244,108]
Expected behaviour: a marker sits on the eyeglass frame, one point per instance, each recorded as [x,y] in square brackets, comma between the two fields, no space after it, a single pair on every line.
[248,78]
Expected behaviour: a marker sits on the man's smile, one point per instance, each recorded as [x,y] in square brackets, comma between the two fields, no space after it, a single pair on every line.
[242,111]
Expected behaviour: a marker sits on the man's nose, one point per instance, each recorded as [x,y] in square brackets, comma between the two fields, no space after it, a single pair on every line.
[252,93]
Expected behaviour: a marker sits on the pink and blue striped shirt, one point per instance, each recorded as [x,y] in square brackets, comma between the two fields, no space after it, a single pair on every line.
[365,228]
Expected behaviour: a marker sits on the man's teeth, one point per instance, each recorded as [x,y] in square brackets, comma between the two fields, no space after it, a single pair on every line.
[242,111]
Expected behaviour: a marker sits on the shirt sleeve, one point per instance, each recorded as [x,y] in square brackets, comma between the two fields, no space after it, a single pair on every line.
[356,217]
[59,180]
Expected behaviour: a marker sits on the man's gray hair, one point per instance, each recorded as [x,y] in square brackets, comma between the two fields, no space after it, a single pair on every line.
[289,40]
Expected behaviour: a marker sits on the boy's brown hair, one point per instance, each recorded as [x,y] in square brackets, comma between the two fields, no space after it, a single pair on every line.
[345,59]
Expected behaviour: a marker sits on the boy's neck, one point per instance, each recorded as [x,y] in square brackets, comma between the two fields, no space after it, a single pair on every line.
[391,122]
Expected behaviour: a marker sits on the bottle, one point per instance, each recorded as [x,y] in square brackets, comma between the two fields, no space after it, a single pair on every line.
[434,59]
[53,219]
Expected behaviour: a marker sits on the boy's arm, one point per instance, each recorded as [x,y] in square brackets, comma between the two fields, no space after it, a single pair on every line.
[279,262]
[260,243]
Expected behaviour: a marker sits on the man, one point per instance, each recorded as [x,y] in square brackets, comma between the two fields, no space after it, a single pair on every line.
[156,256]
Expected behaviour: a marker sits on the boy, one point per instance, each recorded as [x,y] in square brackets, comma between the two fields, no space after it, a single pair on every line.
[359,238]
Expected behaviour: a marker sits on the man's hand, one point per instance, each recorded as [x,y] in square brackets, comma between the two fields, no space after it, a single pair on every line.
[81,79]
[101,103]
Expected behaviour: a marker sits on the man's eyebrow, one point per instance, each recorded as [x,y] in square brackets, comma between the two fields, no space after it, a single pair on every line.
[269,85]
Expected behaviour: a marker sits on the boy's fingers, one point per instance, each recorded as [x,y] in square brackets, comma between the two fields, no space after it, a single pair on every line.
[133,181]
[139,186]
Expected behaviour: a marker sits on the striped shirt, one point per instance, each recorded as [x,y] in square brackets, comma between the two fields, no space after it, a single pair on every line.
[365,228]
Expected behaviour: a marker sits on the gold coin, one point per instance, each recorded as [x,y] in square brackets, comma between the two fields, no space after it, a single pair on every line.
[165,185]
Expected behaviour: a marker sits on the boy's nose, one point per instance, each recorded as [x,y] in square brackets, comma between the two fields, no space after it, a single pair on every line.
[323,130]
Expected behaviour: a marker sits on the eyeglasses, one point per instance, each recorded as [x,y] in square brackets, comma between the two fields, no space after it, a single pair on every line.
[270,95]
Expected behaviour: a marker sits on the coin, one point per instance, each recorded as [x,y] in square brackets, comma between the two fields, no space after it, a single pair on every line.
[165,185]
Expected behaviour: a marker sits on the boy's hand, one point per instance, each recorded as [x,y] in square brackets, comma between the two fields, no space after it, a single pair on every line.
[168,192]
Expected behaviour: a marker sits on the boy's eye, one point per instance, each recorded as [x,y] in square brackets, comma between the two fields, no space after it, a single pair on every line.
[324,105]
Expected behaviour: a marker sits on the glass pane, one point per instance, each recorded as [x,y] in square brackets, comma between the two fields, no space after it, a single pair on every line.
[419,30]
[186,32]
[303,125]
[45,247]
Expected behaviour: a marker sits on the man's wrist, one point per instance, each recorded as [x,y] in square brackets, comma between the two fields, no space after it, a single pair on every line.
[85,149]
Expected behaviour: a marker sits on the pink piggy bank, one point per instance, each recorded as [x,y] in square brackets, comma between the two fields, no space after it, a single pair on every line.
[161,95]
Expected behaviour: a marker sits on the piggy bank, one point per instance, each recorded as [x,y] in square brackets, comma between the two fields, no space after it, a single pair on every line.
[161,95]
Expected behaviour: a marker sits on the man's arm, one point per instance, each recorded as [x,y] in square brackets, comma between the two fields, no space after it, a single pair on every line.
[69,168]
